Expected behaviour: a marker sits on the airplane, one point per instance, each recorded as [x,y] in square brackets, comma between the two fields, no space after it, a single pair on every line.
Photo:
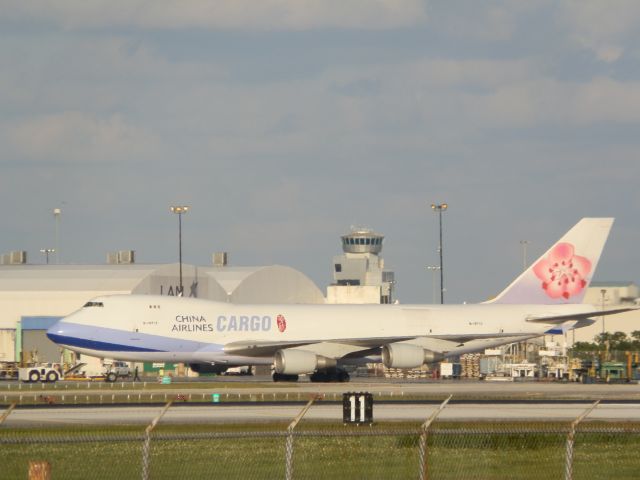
[321,340]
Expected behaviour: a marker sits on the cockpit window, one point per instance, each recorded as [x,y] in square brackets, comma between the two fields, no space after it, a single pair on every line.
[93,304]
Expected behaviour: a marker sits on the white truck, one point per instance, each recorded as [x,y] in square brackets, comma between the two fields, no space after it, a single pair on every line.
[109,370]
[115,370]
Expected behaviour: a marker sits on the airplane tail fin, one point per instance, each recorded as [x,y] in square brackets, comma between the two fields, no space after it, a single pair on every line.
[564,272]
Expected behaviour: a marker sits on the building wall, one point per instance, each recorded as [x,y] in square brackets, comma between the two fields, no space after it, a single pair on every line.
[15,305]
[38,347]
[358,294]
[7,344]
[622,322]
[617,294]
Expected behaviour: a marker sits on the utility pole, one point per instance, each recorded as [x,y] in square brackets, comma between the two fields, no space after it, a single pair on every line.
[439,209]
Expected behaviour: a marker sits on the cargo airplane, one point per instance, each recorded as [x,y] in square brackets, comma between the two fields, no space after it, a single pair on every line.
[322,339]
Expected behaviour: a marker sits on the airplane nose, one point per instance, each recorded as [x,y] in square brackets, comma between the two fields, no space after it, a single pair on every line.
[59,331]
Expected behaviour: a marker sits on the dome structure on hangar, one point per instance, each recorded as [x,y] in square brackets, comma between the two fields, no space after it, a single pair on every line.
[270,284]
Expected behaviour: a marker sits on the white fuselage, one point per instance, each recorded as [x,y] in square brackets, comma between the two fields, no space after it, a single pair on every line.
[174,329]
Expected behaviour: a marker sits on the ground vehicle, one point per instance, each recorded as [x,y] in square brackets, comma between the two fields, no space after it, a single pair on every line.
[41,373]
[8,370]
[245,370]
[116,369]
[108,371]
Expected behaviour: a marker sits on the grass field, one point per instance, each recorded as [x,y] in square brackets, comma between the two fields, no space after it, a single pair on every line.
[323,450]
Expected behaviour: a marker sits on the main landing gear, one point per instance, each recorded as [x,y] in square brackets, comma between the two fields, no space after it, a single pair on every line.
[324,376]
[282,377]
[332,375]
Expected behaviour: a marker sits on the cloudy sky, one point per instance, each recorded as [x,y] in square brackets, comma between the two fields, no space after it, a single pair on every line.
[284,122]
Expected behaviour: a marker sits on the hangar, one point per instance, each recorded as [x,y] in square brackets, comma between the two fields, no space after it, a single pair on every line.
[33,297]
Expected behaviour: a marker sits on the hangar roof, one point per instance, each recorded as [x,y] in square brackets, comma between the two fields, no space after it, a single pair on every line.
[72,277]
[263,284]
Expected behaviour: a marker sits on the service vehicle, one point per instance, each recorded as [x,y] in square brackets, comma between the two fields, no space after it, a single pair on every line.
[40,373]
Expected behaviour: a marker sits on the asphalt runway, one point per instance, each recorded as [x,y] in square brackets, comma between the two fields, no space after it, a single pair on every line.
[493,401]
[261,413]
[379,387]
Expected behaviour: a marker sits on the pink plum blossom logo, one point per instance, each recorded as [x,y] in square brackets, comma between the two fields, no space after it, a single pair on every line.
[282,323]
[563,273]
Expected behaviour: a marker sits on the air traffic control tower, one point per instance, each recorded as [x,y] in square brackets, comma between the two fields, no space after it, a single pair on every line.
[359,275]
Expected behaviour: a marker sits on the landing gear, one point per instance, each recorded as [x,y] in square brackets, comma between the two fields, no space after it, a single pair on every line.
[332,375]
[282,377]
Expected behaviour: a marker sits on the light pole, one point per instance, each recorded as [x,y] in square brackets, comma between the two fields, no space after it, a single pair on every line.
[434,269]
[56,216]
[440,208]
[179,210]
[603,292]
[46,252]
[524,244]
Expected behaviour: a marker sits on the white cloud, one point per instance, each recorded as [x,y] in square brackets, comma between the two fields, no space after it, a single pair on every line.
[221,14]
[602,27]
[79,137]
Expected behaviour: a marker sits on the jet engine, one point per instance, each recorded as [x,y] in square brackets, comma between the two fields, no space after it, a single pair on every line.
[403,355]
[295,362]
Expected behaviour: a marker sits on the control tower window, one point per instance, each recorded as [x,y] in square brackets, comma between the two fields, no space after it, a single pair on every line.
[338,267]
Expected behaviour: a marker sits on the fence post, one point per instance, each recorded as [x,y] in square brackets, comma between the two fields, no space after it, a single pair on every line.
[7,412]
[422,444]
[146,447]
[289,441]
[568,465]
[39,470]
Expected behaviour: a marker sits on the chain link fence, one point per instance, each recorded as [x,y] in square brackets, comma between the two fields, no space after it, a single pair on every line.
[321,450]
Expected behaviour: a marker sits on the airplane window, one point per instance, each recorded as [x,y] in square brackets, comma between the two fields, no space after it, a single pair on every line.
[93,304]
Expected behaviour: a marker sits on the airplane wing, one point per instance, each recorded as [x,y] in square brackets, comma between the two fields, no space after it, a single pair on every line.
[341,347]
[354,347]
[557,319]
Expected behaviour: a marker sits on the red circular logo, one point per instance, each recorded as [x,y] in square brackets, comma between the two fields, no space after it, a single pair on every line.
[282,323]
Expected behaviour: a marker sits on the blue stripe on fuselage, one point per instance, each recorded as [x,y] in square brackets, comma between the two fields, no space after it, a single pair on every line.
[111,339]
[96,345]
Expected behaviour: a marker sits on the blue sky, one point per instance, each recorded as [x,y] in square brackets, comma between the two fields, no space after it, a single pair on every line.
[282,123]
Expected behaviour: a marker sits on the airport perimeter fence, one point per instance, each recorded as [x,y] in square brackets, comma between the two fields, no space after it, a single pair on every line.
[444,450]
